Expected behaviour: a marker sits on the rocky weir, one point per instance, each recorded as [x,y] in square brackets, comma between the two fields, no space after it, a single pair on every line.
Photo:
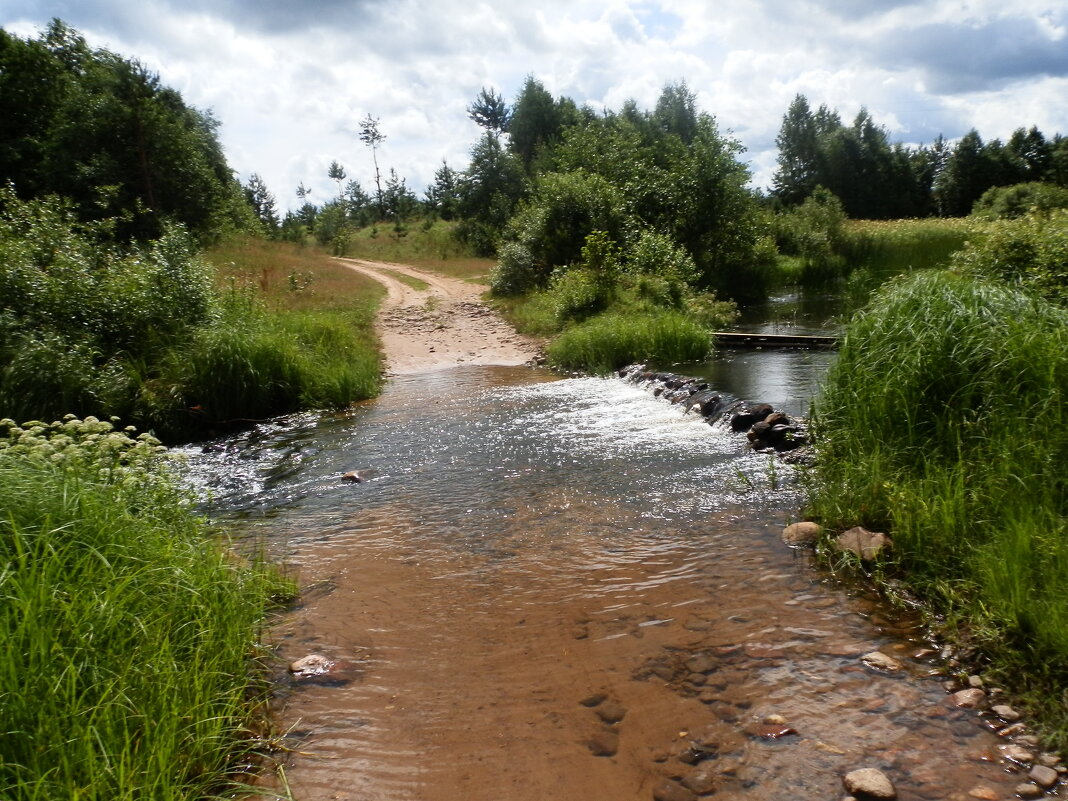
[536,587]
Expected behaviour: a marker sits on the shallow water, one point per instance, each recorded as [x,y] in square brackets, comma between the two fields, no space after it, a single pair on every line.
[524,544]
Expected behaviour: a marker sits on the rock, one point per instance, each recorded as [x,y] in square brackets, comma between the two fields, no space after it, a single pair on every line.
[869,783]
[971,698]
[702,663]
[802,534]
[984,793]
[774,720]
[880,661]
[759,431]
[868,545]
[604,743]
[356,476]
[777,419]
[611,712]
[766,731]
[1006,713]
[975,681]
[1015,753]
[668,790]
[1028,790]
[593,700]
[311,665]
[1049,760]
[1044,777]
[703,779]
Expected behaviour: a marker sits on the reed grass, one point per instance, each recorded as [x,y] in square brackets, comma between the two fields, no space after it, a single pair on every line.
[614,339]
[945,421]
[129,660]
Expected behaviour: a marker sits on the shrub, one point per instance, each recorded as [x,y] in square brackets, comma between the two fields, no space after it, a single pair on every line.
[1018,200]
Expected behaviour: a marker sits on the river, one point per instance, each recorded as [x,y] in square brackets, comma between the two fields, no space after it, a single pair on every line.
[567,588]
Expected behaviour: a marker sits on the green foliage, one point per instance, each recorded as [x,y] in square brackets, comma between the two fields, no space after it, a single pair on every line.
[814,232]
[550,230]
[1010,202]
[1030,252]
[577,294]
[611,340]
[129,635]
[944,419]
[101,130]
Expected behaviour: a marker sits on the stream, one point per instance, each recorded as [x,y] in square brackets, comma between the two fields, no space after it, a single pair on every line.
[567,588]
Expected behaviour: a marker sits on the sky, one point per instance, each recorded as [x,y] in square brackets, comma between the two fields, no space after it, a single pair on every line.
[290,81]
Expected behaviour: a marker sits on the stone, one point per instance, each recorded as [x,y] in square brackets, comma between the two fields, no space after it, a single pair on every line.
[702,663]
[984,793]
[774,720]
[777,419]
[670,791]
[355,476]
[604,743]
[1028,790]
[311,665]
[971,698]
[1049,760]
[975,681]
[611,712]
[880,661]
[867,545]
[804,533]
[594,700]
[1015,753]
[869,783]
[1043,776]
[1006,713]
[703,779]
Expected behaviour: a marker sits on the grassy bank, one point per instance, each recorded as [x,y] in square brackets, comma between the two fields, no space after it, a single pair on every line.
[944,421]
[129,666]
[156,334]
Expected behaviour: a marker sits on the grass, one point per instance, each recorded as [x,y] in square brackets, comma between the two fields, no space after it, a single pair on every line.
[945,421]
[129,667]
[609,341]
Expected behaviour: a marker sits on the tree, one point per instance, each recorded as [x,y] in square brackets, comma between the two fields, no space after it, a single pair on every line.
[489,111]
[798,159]
[371,136]
[442,196]
[676,111]
[263,203]
[336,173]
[534,123]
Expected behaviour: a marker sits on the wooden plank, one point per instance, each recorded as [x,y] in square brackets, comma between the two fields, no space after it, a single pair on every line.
[742,339]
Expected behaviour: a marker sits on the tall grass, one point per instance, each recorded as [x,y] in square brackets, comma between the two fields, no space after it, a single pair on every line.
[945,419]
[129,636]
[432,246]
[611,340]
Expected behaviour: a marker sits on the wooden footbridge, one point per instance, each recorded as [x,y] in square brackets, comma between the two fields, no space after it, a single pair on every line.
[742,339]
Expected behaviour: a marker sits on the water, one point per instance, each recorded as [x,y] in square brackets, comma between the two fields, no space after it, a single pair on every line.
[569,589]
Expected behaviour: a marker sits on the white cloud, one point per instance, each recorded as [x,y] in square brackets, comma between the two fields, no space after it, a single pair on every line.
[291,81]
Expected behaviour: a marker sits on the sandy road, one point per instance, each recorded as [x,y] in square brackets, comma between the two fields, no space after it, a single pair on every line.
[444,325]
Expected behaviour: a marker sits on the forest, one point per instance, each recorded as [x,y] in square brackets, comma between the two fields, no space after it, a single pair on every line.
[139,292]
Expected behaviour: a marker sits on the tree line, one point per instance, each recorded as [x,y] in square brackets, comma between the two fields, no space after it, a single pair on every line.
[877,179]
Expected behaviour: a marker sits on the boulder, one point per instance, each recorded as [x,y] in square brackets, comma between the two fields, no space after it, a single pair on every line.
[868,545]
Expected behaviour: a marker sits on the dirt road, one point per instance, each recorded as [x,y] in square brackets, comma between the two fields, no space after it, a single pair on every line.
[444,325]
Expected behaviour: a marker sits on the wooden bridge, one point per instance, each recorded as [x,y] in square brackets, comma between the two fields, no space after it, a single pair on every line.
[737,339]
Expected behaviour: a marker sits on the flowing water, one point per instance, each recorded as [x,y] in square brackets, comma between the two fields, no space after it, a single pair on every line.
[567,589]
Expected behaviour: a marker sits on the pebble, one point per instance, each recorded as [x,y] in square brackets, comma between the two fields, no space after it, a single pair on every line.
[868,545]
[968,699]
[1044,777]
[670,791]
[703,780]
[594,700]
[984,793]
[880,661]
[611,712]
[604,743]
[1028,790]
[1015,753]
[975,681]
[869,783]
[806,533]
[311,665]
[1049,760]
[1006,713]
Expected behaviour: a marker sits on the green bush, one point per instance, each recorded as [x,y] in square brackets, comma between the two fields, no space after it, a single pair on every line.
[1018,200]
[129,635]
[1031,252]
